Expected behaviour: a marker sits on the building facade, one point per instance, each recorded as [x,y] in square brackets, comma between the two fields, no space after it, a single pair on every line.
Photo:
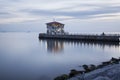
[55,28]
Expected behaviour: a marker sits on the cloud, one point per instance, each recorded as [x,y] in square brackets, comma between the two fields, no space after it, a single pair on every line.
[84,13]
[24,10]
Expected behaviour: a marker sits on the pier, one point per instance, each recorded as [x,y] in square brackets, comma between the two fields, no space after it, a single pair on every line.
[55,30]
[105,38]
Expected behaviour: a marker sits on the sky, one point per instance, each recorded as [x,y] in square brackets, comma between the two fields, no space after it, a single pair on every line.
[77,15]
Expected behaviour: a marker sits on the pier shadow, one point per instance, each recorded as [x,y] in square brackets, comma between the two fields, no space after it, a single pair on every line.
[56,45]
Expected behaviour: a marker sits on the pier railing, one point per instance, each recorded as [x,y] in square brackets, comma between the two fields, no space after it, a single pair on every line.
[88,37]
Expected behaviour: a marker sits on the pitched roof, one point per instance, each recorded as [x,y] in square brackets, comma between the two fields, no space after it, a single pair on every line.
[54,23]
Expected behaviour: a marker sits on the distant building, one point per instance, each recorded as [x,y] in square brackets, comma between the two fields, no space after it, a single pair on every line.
[55,28]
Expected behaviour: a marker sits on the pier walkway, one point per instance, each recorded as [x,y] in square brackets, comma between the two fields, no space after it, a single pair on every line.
[107,38]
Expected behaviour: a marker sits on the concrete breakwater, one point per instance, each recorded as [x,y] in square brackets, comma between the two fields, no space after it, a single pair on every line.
[105,38]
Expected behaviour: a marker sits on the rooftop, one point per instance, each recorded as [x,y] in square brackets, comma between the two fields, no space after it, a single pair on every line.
[54,22]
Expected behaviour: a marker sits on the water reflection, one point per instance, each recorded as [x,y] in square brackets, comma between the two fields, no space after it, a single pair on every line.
[55,45]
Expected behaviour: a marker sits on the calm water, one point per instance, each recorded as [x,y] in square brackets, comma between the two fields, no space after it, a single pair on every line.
[24,57]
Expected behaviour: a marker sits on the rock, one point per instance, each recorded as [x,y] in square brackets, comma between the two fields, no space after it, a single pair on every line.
[92,67]
[62,77]
[106,63]
[114,60]
[86,68]
[102,78]
[74,73]
[119,59]
[100,66]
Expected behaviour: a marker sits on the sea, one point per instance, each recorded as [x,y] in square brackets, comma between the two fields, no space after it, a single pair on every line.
[23,56]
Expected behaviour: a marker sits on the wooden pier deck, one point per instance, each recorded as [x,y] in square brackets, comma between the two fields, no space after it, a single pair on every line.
[105,38]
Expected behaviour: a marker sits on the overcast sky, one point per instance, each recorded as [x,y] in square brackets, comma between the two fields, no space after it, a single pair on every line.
[77,15]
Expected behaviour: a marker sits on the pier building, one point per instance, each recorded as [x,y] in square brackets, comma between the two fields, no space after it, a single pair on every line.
[55,28]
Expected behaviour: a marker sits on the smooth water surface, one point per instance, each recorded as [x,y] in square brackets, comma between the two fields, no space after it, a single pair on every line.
[24,57]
